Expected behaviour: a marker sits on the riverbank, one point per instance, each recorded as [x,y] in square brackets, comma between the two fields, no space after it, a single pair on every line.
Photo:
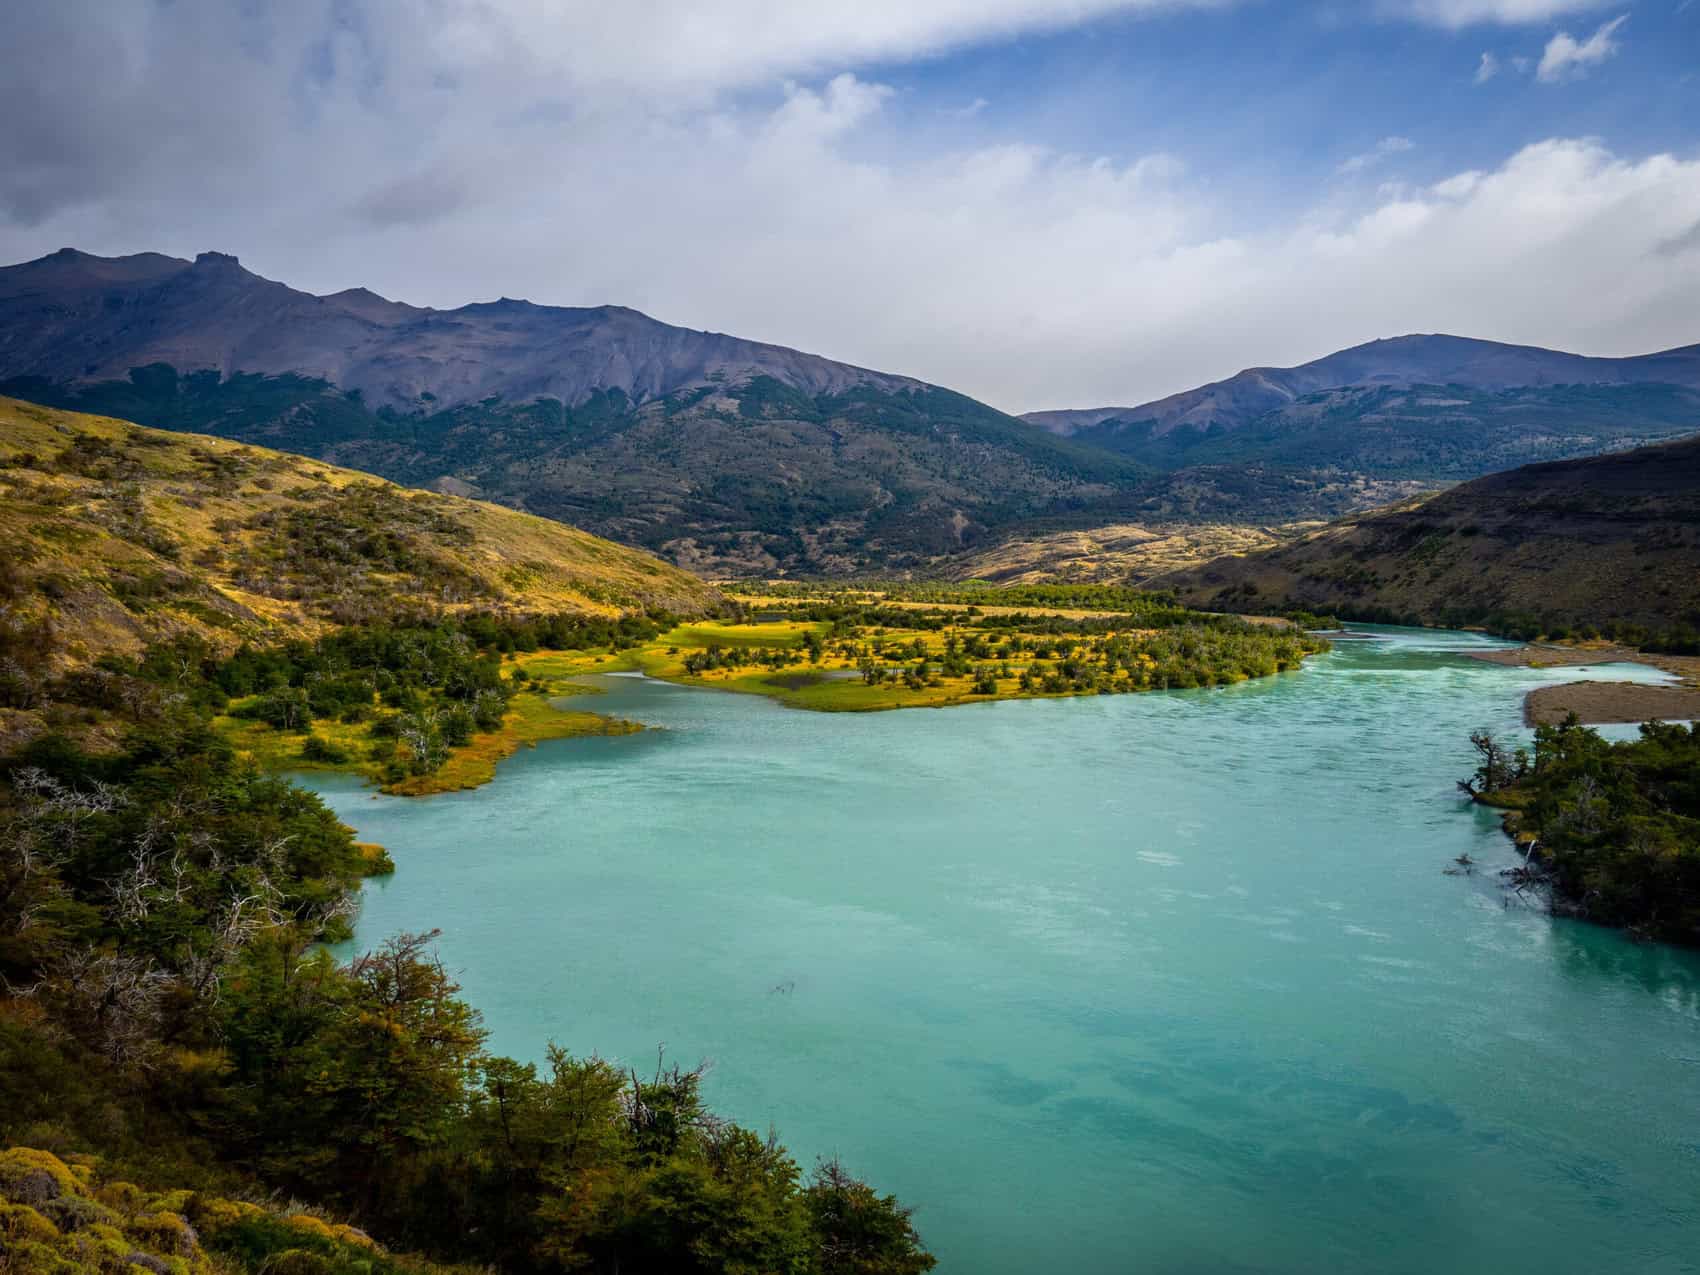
[1603,703]
[1607,703]
[1545,655]
[854,659]
[530,719]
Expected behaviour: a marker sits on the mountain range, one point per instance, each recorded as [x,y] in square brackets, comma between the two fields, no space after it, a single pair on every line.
[1399,363]
[1436,408]
[735,456]
[76,317]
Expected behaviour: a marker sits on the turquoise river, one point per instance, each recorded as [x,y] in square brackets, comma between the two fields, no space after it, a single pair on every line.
[1157,983]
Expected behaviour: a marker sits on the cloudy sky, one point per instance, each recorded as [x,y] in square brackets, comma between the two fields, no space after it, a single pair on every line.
[1043,203]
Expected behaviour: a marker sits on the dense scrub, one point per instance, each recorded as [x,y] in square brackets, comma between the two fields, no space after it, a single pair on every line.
[59,1216]
[1125,640]
[1613,828]
[391,700]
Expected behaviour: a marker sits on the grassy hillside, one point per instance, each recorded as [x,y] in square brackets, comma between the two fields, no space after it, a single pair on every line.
[1122,553]
[1609,543]
[119,536]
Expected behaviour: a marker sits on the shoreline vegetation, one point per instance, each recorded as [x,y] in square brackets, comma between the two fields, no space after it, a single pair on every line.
[170,1012]
[530,719]
[875,648]
[1610,831]
[356,704]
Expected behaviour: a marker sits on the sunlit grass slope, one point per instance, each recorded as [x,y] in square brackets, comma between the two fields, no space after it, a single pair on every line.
[117,536]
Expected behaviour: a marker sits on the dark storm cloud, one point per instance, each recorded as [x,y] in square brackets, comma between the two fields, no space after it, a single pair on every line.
[1676,245]
[412,201]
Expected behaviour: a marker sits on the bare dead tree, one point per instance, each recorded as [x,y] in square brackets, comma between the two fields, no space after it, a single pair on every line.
[114,1001]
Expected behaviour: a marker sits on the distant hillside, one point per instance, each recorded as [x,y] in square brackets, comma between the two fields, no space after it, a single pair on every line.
[1121,553]
[117,536]
[1424,408]
[722,453]
[1611,542]
[1396,363]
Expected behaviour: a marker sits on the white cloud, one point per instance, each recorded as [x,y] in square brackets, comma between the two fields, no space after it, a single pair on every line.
[1487,68]
[1023,274]
[700,46]
[1463,13]
[1566,57]
[1386,148]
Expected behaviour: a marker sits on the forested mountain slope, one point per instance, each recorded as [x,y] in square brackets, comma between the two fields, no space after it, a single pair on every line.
[738,457]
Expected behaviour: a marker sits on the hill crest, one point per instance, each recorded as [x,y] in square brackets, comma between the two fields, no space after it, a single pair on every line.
[72,317]
[1401,362]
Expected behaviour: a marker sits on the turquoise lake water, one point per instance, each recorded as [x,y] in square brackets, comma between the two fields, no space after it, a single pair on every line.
[1160,983]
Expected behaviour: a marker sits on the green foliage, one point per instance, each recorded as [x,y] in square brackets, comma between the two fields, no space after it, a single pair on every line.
[1616,826]
[442,678]
[1121,599]
[861,1232]
[279,1246]
[138,876]
[739,655]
